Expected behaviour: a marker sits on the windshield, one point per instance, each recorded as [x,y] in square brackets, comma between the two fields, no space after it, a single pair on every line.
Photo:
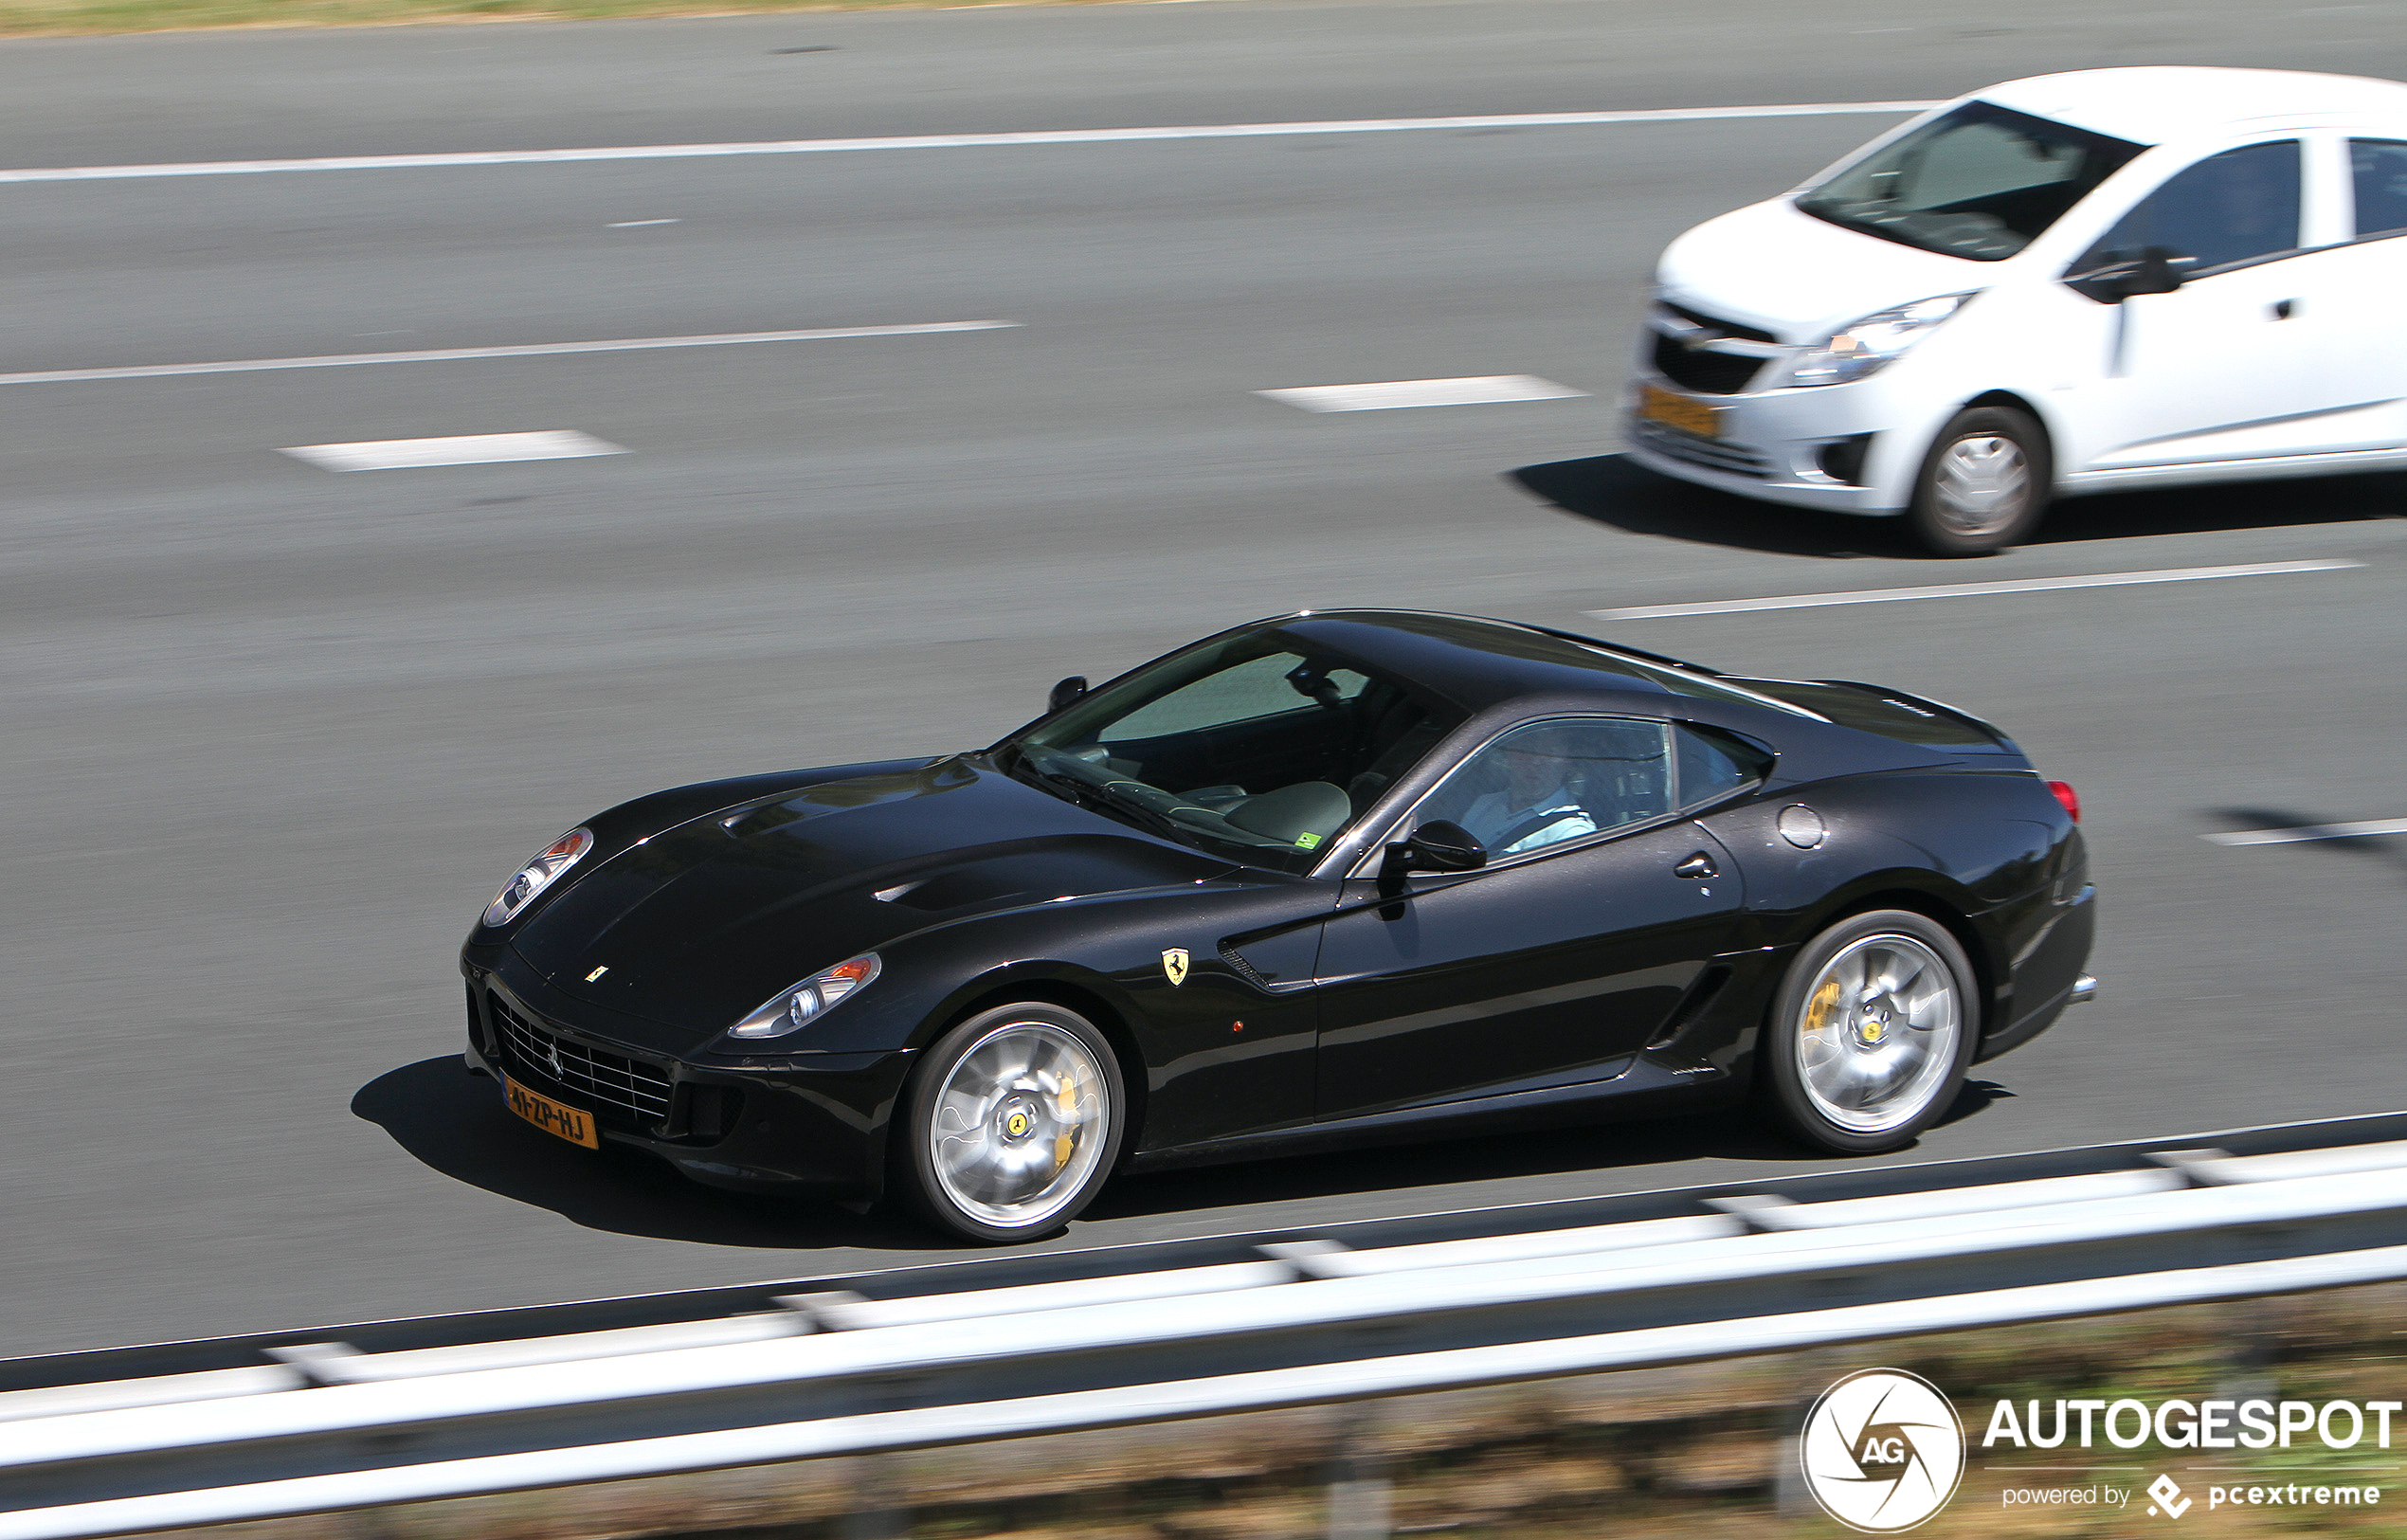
[1980,182]
[1255,749]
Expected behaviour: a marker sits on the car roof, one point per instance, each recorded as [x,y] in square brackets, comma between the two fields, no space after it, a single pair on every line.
[1479,663]
[2152,104]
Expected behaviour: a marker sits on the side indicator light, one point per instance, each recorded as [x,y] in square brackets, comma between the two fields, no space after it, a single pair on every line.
[2071,799]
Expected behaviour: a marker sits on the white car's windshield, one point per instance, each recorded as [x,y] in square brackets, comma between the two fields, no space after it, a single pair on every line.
[1980,182]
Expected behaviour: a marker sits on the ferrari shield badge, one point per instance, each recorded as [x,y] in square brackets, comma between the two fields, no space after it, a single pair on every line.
[1175,964]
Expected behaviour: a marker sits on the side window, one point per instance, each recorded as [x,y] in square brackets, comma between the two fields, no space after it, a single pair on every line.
[2232,207]
[1714,764]
[1548,782]
[2378,169]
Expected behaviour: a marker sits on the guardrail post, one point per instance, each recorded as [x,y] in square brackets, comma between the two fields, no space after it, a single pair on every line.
[876,1509]
[1811,1374]
[1360,1496]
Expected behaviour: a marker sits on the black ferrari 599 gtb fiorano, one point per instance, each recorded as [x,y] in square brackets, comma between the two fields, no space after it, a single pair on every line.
[1329,878]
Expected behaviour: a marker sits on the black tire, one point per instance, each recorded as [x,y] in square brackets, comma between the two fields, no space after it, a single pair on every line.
[977,1134]
[1815,1048]
[1984,486]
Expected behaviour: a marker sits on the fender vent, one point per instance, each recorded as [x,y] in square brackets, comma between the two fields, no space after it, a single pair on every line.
[1235,964]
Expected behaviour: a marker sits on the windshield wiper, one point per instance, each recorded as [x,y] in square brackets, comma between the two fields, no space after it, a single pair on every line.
[1099,799]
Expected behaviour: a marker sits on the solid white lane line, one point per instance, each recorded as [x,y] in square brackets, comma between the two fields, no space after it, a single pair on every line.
[1388,396]
[534,349]
[945,141]
[638,224]
[1970,590]
[2309,831]
[469,449]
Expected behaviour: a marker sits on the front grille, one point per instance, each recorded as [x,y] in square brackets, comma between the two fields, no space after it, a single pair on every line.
[630,1085]
[1715,374]
[1709,453]
[1714,323]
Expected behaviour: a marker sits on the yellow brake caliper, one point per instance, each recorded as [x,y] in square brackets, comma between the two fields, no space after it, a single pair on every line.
[1822,1009]
[1066,1101]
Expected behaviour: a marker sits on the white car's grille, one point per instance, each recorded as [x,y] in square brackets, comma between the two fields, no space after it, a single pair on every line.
[1712,453]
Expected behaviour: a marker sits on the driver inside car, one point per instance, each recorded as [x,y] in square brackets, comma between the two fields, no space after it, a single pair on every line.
[1538,803]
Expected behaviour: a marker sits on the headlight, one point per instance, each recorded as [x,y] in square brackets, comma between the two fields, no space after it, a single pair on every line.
[793,1008]
[1867,346]
[537,875]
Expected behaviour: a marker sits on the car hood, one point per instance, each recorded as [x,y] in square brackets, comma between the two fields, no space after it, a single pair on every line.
[1773,265]
[696,926]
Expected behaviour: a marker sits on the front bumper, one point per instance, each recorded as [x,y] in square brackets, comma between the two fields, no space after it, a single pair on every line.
[814,1126]
[1770,445]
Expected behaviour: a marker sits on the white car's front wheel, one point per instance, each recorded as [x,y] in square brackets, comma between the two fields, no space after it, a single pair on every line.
[1985,484]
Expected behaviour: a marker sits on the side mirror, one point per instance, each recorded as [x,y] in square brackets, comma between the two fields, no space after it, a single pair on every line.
[1068,693]
[2155,270]
[1438,845]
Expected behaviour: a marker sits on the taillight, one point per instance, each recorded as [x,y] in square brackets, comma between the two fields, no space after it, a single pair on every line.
[2071,799]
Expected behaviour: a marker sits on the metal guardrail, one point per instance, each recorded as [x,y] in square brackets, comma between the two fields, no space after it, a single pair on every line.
[1669,1279]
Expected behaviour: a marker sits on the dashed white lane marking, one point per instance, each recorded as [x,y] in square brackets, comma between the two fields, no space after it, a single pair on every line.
[1968,591]
[2309,831]
[950,142]
[638,224]
[469,449]
[1387,395]
[534,350]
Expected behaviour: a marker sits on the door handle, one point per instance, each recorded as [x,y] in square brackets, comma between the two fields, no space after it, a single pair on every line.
[1699,865]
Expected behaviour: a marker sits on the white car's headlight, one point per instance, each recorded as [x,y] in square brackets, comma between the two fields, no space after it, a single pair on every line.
[537,875]
[1867,346]
[793,1008]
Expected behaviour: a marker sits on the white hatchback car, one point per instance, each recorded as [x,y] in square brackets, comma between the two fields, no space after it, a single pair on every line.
[2077,282]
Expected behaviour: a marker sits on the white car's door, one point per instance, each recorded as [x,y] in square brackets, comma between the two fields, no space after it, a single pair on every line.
[2222,367]
[2358,332]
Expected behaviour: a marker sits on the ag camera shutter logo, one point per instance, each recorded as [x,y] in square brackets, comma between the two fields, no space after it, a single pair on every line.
[1882,1451]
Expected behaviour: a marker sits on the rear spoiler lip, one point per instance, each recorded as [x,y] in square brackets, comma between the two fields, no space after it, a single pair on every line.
[2005,743]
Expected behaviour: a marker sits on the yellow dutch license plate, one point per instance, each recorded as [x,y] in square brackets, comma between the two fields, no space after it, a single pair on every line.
[1686,414]
[550,1116]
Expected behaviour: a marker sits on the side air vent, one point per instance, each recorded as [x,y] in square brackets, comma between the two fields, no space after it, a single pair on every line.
[1236,963]
[1702,991]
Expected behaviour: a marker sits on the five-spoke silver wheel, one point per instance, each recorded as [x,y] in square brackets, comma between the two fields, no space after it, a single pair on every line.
[1869,1036]
[1015,1122]
[1877,1036]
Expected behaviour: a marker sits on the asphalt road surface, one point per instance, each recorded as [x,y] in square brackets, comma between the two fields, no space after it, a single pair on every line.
[273,734]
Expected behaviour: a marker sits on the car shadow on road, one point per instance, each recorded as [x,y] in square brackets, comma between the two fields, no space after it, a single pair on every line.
[1728,1135]
[1612,490]
[454,1121]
